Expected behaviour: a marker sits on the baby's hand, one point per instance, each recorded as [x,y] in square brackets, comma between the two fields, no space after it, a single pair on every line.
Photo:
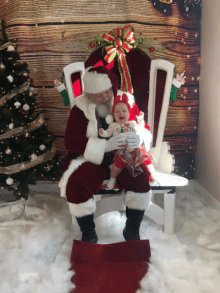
[111,183]
[101,131]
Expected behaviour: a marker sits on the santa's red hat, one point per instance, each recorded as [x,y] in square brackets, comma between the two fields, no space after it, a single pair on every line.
[99,79]
[121,99]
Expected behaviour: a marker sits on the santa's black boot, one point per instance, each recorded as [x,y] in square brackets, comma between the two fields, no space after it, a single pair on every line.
[133,223]
[87,227]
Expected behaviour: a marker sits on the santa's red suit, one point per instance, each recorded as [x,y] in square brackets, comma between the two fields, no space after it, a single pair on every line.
[87,164]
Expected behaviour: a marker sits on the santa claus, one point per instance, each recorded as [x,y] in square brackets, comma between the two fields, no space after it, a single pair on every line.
[90,156]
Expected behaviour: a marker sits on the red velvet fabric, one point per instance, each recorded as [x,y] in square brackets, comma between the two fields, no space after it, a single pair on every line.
[88,178]
[139,67]
[109,268]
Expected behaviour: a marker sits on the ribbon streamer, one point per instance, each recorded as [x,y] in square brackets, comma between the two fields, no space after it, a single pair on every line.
[24,129]
[121,42]
[27,165]
[14,92]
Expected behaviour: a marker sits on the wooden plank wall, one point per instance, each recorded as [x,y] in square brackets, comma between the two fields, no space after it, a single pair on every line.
[53,33]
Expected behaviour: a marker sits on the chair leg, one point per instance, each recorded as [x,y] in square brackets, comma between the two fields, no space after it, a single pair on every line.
[169,211]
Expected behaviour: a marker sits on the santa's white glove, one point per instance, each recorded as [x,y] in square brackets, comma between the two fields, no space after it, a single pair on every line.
[111,183]
[115,143]
[134,140]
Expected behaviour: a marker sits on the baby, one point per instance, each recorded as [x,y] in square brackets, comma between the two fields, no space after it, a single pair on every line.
[125,157]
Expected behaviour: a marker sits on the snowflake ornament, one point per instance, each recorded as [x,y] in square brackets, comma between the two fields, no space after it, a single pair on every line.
[17,104]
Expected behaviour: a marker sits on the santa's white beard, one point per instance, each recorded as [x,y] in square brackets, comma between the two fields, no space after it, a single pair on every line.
[104,110]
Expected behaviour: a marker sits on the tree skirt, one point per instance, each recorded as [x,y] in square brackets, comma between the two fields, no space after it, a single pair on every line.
[33,256]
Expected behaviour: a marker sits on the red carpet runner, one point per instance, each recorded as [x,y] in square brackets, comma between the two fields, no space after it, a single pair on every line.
[106,268]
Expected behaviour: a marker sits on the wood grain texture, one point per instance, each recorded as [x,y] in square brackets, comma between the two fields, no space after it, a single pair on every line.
[52,34]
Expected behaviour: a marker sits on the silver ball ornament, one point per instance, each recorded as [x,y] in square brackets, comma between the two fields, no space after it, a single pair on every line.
[33,157]
[11,125]
[26,107]
[42,147]
[8,151]
[9,181]
[10,48]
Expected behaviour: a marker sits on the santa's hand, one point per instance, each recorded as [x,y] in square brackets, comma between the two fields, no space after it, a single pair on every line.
[133,140]
[115,143]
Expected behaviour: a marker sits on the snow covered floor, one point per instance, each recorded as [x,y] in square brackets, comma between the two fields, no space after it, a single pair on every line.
[34,258]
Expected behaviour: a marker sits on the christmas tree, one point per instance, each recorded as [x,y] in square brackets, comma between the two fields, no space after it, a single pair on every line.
[27,149]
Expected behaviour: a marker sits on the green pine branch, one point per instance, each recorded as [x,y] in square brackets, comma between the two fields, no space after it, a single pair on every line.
[3,30]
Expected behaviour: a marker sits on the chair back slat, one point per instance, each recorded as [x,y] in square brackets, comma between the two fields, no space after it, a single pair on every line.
[68,71]
[169,68]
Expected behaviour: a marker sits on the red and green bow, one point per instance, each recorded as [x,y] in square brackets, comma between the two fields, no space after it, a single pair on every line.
[121,41]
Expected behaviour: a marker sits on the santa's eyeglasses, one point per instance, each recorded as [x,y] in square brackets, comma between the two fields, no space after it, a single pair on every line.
[104,94]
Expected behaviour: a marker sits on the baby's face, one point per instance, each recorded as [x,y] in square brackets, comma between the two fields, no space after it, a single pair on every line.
[121,113]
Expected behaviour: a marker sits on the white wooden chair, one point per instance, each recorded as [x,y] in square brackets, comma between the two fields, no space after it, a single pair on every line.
[164,166]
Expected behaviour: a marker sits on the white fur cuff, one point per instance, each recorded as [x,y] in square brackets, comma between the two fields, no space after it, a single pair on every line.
[82,209]
[66,175]
[138,201]
[95,150]
[177,83]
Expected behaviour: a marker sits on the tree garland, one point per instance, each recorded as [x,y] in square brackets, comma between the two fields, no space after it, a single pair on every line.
[24,129]
[14,92]
[27,165]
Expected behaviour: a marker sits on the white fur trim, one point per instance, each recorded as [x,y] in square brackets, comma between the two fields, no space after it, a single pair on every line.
[109,119]
[96,82]
[64,179]
[61,88]
[88,108]
[138,201]
[131,99]
[92,129]
[177,83]
[95,150]
[82,209]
